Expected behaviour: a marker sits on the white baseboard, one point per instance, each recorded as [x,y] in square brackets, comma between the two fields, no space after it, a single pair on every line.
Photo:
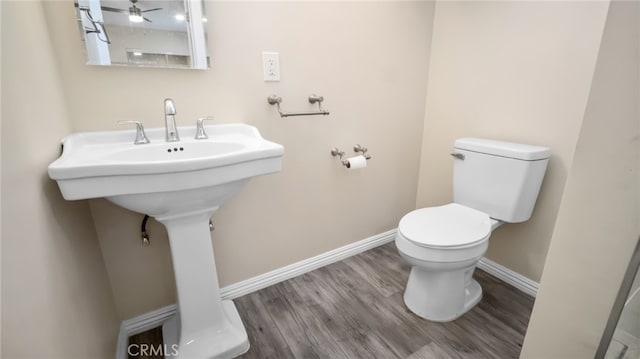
[510,277]
[155,318]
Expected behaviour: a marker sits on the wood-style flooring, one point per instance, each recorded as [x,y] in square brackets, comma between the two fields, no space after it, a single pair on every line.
[354,309]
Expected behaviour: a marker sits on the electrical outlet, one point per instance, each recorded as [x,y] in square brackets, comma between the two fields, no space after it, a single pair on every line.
[271,66]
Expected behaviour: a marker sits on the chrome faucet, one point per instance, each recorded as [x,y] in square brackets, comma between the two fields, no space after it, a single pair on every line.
[170,121]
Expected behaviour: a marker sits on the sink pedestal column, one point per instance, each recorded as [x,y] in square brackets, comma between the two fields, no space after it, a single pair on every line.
[205,326]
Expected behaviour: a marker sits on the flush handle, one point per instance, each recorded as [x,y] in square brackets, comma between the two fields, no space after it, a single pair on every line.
[459,156]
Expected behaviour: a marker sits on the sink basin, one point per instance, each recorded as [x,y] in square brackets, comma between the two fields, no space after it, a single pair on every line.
[181,184]
[107,163]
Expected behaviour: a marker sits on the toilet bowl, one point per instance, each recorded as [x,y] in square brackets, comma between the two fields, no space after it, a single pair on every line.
[443,245]
[493,182]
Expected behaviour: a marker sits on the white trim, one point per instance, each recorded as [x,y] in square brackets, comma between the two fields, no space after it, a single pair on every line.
[123,342]
[155,318]
[508,276]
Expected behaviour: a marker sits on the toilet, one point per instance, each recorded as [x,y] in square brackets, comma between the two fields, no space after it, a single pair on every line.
[494,182]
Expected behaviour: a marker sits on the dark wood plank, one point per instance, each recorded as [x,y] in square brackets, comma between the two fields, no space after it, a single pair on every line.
[354,309]
[265,339]
[314,326]
[143,343]
[344,320]
[386,277]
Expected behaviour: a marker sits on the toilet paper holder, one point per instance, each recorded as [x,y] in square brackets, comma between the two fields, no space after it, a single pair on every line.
[356,148]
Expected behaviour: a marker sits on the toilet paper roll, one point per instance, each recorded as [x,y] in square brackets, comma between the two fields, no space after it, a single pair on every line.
[356,162]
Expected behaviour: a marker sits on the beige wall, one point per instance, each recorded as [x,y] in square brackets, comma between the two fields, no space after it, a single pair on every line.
[598,221]
[370,62]
[56,299]
[516,71]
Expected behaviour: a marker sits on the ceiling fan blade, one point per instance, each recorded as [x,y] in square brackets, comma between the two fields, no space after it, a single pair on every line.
[147,20]
[114,9]
[156,9]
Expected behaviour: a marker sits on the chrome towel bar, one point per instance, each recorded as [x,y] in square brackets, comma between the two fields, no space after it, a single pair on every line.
[276,100]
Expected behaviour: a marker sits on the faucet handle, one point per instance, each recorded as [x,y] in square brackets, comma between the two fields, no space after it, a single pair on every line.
[141,137]
[200,133]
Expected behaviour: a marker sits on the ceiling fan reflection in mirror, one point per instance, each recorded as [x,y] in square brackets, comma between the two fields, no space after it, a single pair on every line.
[134,12]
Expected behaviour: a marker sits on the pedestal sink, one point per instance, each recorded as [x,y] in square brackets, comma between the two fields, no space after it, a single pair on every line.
[181,184]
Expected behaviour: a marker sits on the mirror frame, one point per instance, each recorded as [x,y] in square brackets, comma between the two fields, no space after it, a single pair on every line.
[96,40]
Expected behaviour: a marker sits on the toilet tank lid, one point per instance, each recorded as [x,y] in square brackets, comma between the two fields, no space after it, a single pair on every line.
[504,149]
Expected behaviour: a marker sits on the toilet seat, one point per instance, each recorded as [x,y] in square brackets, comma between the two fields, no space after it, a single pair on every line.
[451,226]
[443,245]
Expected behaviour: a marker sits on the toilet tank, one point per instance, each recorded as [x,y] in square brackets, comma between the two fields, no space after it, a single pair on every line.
[501,179]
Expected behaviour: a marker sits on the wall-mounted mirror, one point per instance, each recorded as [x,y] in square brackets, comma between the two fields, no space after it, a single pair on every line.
[144,33]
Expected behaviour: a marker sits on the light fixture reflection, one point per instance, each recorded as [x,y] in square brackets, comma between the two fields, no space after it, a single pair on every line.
[180,17]
[135,15]
[136,18]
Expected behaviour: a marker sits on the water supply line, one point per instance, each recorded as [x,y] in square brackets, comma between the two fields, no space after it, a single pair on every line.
[145,236]
[143,229]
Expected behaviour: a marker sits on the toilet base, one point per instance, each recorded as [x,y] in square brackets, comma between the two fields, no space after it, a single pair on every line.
[441,296]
